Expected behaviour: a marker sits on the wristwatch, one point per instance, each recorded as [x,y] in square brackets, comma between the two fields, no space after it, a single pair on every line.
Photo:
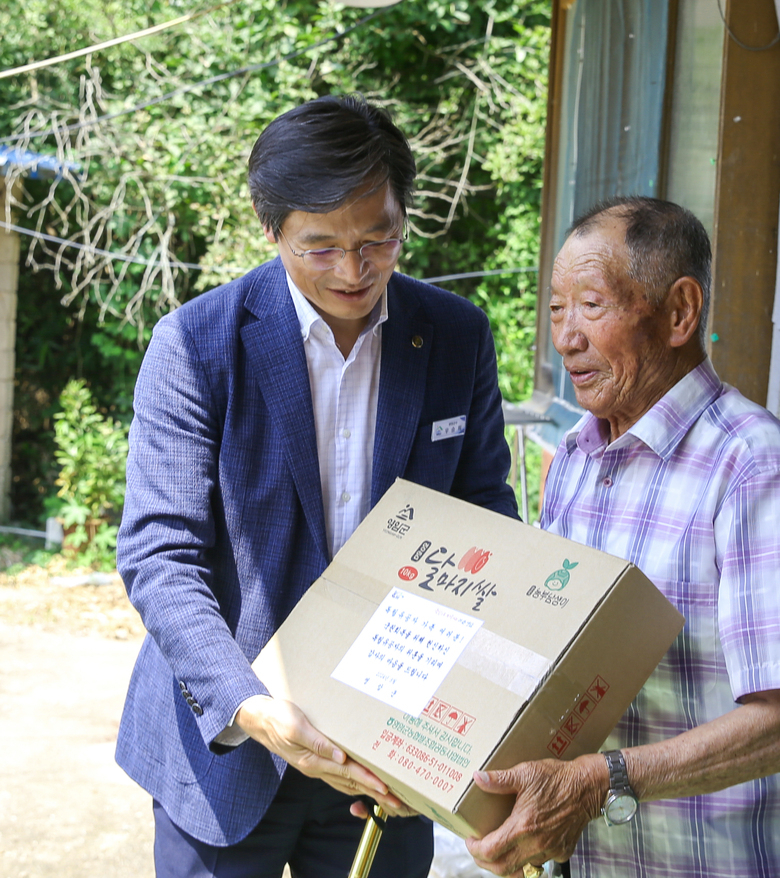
[621,804]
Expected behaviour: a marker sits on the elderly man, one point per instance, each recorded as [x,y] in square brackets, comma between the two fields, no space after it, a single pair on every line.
[680,474]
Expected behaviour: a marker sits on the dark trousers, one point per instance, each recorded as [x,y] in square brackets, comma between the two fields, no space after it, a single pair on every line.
[308,826]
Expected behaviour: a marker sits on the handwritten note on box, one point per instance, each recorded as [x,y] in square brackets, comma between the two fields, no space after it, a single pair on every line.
[406,650]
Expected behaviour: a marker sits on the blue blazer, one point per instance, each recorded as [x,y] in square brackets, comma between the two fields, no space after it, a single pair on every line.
[224,529]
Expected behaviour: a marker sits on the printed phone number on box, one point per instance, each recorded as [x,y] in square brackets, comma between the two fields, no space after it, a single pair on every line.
[421,771]
[424,765]
[429,743]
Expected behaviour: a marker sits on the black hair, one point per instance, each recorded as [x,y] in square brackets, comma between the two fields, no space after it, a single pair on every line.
[313,157]
[664,241]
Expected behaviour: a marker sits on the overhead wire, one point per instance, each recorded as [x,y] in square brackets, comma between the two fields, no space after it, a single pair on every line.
[739,42]
[111,254]
[233,73]
[467,274]
[168,264]
[222,269]
[138,260]
[252,68]
[97,47]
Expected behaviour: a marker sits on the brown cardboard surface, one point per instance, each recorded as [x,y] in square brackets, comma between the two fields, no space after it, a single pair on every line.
[563,648]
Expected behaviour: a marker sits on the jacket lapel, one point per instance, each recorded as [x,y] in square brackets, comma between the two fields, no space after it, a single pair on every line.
[406,346]
[276,356]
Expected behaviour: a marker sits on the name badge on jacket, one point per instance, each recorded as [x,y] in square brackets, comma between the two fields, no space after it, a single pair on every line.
[449,428]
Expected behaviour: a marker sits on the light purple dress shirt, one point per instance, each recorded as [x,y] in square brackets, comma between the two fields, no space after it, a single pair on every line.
[691,495]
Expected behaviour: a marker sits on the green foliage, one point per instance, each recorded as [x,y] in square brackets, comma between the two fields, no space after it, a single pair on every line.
[512,319]
[91,452]
[165,182]
[466,82]
[18,552]
[53,345]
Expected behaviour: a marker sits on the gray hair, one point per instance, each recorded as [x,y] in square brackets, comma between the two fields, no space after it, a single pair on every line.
[664,241]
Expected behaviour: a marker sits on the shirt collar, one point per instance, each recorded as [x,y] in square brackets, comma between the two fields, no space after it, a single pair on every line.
[664,426]
[309,317]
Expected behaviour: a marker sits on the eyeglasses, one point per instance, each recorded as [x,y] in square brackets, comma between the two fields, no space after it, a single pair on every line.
[377,252]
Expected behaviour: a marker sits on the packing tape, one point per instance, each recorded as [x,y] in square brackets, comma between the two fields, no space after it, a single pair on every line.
[505,663]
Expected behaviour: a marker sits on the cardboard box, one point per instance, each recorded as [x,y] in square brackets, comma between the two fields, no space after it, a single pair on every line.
[445,638]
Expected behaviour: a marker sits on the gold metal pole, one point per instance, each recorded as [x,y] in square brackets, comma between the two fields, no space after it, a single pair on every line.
[369,841]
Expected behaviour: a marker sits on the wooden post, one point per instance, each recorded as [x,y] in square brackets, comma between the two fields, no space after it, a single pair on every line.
[746,205]
[9,275]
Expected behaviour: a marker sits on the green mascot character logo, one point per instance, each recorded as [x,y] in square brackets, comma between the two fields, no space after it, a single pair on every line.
[559,580]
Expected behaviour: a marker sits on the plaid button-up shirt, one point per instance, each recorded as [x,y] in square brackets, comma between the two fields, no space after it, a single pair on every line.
[691,495]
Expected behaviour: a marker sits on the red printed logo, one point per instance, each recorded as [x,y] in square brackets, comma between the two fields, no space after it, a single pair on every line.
[439,712]
[474,560]
[598,689]
[407,573]
[449,716]
[466,722]
[573,725]
[451,720]
[558,745]
[431,705]
[459,721]
[582,709]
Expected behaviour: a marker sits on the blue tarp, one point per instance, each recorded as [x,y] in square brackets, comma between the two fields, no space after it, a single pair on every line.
[33,163]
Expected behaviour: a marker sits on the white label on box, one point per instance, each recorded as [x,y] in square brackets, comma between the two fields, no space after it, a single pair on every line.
[406,650]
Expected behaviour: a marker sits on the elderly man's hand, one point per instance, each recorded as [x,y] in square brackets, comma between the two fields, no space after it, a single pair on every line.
[554,802]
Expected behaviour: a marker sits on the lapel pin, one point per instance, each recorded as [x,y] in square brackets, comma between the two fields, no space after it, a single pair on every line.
[417,341]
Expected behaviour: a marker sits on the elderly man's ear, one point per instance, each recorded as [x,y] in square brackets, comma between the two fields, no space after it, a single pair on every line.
[685,300]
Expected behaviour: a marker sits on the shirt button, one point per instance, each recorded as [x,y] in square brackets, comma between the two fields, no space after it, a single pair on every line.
[346,433]
[607,482]
[346,497]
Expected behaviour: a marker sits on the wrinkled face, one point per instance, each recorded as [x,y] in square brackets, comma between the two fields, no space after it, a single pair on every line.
[615,345]
[345,294]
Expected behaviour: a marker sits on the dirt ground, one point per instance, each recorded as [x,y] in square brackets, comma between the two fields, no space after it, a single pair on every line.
[67,647]
[66,651]
[62,600]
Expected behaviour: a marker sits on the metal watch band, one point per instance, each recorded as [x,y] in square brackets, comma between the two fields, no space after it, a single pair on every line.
[621,804]
[618,773]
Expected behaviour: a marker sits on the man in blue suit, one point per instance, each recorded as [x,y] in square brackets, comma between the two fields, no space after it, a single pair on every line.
[270,415]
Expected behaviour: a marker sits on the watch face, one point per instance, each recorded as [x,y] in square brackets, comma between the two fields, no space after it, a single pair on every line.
[621,809]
